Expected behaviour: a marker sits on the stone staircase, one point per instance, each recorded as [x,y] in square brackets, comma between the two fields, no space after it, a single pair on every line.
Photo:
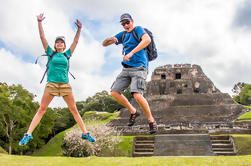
[143,146]
[223,145]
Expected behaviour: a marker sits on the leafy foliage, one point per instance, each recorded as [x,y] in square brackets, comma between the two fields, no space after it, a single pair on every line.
[243,93]
[17,109]
[237,88]
[63,120]
[102,102]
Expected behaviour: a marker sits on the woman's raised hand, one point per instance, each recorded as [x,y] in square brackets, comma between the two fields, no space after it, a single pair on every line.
[78,23]
[40,17]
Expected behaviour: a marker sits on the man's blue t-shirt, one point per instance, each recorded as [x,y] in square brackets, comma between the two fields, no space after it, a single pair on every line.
[140,57]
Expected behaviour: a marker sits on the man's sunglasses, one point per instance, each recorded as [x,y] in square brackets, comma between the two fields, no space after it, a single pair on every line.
[124,23]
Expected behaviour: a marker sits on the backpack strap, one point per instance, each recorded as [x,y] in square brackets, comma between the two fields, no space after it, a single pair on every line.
[47,65]
[68,58]
[135,35]
[123,37]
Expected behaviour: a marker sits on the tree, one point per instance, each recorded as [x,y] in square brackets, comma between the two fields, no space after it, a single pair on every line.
[237,88]
[13,100]
[245,95]
[63,120]
[17,109]
[101,101]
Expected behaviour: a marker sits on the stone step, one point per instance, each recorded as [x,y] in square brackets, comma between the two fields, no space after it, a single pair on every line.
[144,138]
[225,153]
[223,149]
[142,154]
[144,150]
[219,145]
[221,141]
[144,146]
[145,142]
[219,137]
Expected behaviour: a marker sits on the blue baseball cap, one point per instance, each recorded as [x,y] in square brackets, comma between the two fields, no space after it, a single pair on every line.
[125,16]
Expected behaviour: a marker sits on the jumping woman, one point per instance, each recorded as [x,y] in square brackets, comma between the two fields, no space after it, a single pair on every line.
[57,80]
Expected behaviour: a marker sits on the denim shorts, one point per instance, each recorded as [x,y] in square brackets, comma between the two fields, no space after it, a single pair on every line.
[135,77]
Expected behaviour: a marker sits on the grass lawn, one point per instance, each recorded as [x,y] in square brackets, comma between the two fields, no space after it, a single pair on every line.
[245,117]
[248,107]
[53,147]
[12,160]
[124,148]
[243,143]
[2,150]
[105,117]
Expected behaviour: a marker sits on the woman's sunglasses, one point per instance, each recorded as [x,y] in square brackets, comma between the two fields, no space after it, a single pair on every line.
[124,23]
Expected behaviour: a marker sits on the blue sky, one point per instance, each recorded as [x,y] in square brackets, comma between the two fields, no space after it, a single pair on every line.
[211,33]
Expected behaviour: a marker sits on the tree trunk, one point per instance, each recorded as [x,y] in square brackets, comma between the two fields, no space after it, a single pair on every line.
[10,149]
[11,126]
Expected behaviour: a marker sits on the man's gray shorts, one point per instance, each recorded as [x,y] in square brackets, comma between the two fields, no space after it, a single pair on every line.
[135,77]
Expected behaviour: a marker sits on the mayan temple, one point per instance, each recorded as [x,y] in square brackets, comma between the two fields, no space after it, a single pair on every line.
[182,97]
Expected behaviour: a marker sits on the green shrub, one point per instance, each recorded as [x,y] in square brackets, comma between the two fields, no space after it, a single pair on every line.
[75,146]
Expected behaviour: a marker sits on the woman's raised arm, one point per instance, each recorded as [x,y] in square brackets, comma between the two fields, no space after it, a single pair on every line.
[40,18]
[76,38]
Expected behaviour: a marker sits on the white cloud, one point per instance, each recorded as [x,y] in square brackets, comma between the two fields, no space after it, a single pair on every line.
[15,71]
[22,34]
[186,31]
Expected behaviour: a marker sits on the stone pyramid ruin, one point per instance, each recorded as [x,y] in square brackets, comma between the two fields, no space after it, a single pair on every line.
[182,97]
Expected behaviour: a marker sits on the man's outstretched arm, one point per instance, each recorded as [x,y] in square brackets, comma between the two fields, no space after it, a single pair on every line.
[109,41]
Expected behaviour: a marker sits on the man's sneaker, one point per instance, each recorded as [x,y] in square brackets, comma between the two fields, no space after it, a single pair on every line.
[88,137]
[132,118]
[153,127]
[25,139]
